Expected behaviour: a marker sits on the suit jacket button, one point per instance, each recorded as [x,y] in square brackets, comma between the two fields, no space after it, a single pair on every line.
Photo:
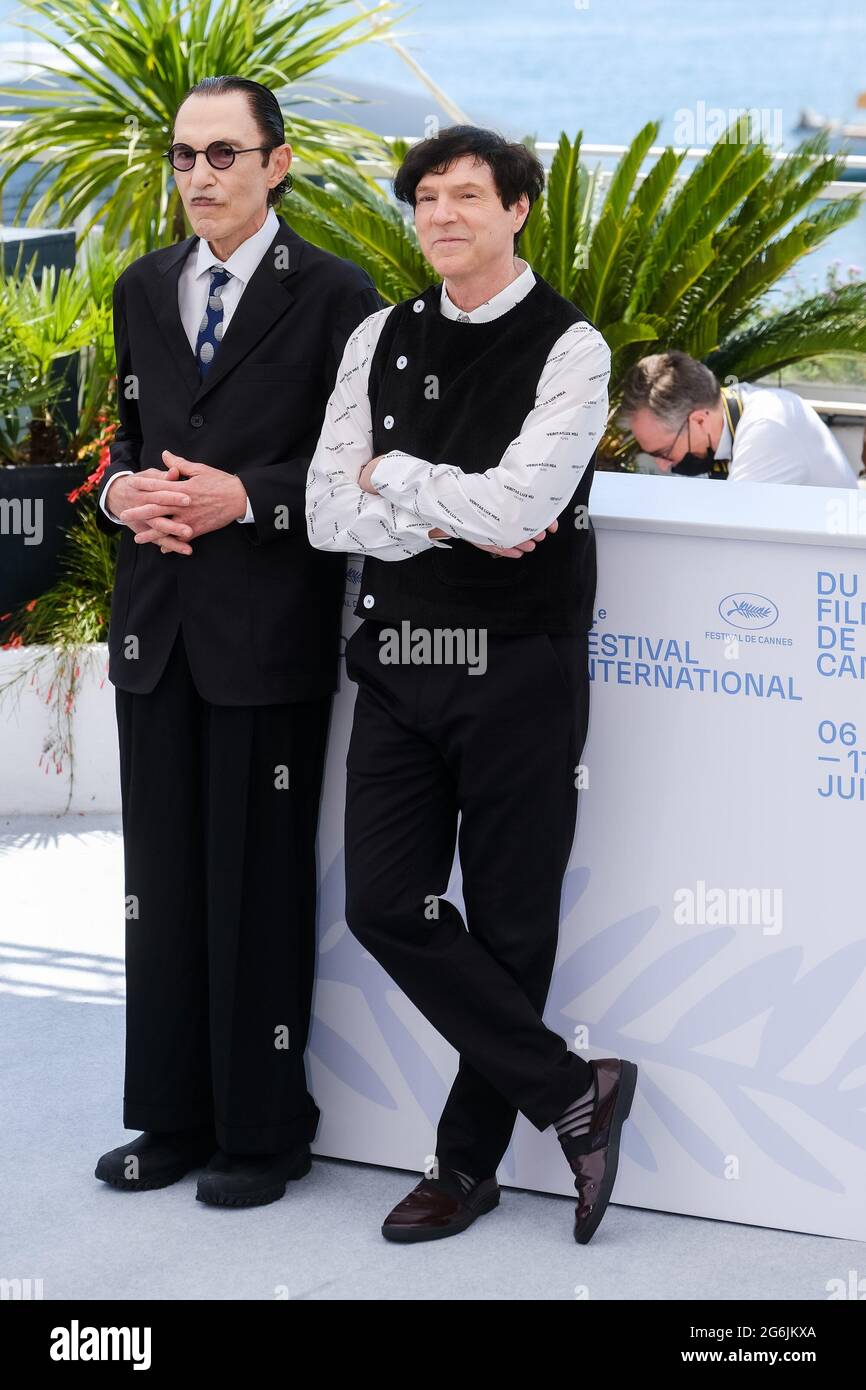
[388,422]
[401,361]
[196,420]
[369,600]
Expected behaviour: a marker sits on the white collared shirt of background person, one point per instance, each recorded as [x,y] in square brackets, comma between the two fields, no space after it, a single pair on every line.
[781,439]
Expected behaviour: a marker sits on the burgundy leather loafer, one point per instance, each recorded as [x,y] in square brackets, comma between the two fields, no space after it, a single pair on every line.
[594,1157]
[437,1208]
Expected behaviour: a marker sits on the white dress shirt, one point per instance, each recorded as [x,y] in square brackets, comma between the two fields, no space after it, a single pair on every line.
[192,294]
[510,502]
[781,439]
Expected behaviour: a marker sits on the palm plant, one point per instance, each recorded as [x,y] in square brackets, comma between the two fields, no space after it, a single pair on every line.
[15,392]
[690,265]
[656,263]
[355,218]
[98,126]
[48,324]
[47,319]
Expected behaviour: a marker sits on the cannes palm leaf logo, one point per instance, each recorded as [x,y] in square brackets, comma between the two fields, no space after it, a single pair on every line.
[785,1007]
[748,610]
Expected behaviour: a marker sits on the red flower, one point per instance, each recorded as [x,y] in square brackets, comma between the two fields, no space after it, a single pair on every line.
[94,479]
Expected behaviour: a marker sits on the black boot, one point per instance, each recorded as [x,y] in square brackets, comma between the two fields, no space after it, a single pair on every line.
[155,1159]
[251,1180]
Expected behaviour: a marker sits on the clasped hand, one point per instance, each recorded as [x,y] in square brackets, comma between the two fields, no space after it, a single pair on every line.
[170,509]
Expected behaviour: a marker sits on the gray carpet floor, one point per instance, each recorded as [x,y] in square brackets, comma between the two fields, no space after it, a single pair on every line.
[61,1031]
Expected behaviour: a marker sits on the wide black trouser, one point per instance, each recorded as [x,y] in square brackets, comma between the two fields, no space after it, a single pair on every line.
[501,748]
[220,881]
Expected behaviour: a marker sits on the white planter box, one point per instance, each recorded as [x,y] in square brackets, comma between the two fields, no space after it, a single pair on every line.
[27,725]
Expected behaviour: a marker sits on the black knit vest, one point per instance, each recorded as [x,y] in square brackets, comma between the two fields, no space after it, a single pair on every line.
[458,393]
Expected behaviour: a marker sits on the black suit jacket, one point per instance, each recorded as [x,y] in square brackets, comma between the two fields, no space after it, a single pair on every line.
[260,607]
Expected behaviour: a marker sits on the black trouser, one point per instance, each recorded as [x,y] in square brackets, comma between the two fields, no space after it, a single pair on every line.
[221,872]
[501,748]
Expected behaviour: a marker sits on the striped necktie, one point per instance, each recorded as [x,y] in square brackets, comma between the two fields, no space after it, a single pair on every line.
[210,330]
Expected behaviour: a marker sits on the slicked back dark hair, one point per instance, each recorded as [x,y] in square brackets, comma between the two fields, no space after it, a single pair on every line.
[514,168]
[266,112]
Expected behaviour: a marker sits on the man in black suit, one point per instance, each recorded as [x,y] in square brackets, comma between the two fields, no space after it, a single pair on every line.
[223,649]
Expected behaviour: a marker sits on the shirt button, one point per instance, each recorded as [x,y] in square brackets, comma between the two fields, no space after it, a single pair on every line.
[369,600]
[388,422]
[418,305]
[401,362]
[196,420]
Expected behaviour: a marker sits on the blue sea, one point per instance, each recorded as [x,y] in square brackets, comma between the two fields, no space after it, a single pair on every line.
[606,68]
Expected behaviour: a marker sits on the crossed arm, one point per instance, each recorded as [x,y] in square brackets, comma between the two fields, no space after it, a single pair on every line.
[395,505]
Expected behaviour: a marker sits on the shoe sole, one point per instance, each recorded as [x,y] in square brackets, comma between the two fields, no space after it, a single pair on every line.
[258,1199]
[411,1235]
[620,1115]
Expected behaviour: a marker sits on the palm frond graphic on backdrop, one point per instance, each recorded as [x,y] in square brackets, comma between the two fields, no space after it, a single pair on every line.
[657,263]
[98,120]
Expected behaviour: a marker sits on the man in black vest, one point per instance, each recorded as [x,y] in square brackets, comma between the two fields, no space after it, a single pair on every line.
[223,649]
[460,437]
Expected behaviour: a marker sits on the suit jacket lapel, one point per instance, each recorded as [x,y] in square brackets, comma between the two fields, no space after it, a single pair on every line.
[162,293]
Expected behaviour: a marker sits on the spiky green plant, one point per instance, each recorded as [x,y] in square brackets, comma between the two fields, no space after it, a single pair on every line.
[98,124]
[45,321]
[355,218]
[689,264]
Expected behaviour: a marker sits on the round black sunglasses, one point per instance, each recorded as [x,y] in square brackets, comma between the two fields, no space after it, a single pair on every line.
[219,155]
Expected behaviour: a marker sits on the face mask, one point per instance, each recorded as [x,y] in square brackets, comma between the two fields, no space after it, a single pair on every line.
[693,465]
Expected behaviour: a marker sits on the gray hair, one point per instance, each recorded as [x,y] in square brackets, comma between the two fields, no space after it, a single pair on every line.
[670,385]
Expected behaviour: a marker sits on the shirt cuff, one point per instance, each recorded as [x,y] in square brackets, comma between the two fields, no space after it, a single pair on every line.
[247,517]
[103,501]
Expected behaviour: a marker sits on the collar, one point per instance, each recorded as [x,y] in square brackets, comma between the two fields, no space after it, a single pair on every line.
[497,305]
[242,262]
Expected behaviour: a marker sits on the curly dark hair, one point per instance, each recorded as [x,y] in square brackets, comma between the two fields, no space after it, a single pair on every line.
[515,168]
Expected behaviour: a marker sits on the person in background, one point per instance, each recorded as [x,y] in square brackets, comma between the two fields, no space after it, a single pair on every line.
[681,417]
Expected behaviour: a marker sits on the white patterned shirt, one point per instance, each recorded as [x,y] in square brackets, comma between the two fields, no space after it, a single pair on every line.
[510,502]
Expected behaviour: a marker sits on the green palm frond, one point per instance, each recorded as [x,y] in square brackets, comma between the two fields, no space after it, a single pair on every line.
[617,226]
[691,263]
[834,321]
[567,211]
[47,321]
[354,220]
